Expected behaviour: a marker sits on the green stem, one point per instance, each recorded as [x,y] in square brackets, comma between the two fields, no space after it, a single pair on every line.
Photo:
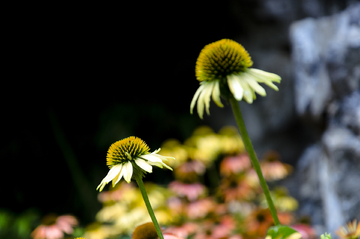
[250,149]
[148,206]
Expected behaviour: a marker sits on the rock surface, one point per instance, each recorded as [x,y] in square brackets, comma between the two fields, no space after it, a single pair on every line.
[326,63]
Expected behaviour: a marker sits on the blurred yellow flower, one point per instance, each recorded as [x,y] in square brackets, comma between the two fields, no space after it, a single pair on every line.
[125,155]
[223,68]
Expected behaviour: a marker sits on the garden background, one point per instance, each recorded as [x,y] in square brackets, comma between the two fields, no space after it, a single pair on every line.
[82,76]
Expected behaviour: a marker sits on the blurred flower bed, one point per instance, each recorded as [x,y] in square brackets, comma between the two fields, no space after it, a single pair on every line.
[215,194]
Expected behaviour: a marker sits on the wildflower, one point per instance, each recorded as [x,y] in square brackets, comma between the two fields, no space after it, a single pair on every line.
[54,227]
[222,68]
[351,232]
[128,156]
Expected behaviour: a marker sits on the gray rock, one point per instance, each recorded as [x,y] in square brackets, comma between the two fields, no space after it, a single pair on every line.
[326,63]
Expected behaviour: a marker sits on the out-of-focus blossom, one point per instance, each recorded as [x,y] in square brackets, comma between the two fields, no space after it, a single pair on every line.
[190,191]
[235,188]
[122,191]
[200,208]
[174,148]
[224,228]
[54,227]
[306,231]
[98,231]
[204,145]
[272,168]
[184,230]
[130,204]
[230,141]
[189,171]
[258,222]
[235,164]
[351,231]
[283,202]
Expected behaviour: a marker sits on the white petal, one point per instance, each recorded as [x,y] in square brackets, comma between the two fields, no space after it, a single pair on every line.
[144,165]
[151,158]
[248,92]
[128,171]
[264,76]
[113,172]
[235,86]
[156,160]
[197,93]
[253,84]
[118,177]
[216,94]
[204,99]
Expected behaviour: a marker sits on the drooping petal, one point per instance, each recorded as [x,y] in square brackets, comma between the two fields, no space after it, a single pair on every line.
[144,165]
[196,96]
[216,94]
[118,177]
[204,99]
[235,86]
[128,171]
[248,92]
[113,172]
[156,160]
[253,84]
[265,77]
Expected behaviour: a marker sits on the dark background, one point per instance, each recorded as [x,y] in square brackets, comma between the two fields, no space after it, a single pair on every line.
[80,76]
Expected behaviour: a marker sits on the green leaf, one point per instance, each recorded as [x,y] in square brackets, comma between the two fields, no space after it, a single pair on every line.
[282,232]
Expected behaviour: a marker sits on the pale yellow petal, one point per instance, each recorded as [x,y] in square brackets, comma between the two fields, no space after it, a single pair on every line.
[253,84]
[216,94]
[196,96]
[128,171]
[235,86]
[144,165]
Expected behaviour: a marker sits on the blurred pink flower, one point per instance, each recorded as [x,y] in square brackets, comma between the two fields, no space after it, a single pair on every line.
[188,172]
[54,227]
[234,164]
[200,208]
[184,230]
[190,191]
[306,231]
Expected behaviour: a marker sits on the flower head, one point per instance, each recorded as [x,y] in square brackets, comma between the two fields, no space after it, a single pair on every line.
[128,156]
[351,232]
[223,68]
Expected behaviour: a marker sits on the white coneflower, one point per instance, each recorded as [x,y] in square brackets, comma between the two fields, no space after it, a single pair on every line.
[223,66]
[128,156]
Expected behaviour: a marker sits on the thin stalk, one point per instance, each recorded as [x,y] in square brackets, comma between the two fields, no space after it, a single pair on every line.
[250,149]
[148,206]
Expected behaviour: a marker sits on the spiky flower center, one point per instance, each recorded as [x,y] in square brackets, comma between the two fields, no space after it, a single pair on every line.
[126,149]
[221,58]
